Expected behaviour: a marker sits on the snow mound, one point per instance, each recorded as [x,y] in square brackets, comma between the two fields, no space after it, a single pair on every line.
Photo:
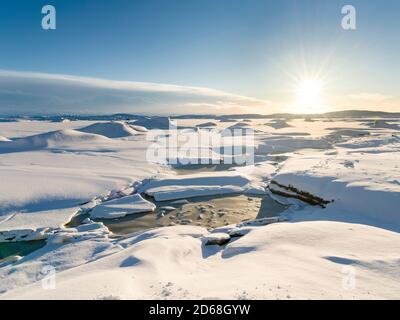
[207,124]
[173,263]
[49,140]
[122,207]
[382,124]
[225,119]
[239,125]
[282,145]
[162,123]
[218,238]
[26,226]
[370,142]
[116,129]
[278,124]
[345,178]
[349,133]
[181,192]
[189,186]
[138,128]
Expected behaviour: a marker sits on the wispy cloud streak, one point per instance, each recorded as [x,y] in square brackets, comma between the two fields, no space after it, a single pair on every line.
[30,93]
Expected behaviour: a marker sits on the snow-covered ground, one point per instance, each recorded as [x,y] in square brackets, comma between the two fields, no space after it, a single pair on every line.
[338,238]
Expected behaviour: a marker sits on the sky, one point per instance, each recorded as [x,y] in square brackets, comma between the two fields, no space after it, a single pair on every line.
[198,56]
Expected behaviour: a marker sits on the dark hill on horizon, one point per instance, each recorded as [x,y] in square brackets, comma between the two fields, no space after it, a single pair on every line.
[130,117]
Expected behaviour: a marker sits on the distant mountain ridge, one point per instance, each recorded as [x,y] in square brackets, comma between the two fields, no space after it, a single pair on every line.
[333,114]
[130,117]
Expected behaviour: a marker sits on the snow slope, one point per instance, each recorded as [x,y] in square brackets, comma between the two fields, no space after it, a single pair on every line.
[347,250]
[199,185]
[49,140]
[121,207]
[279,261]
[64,168]
[161,123]
[364,182]
[116,129]
[25,226]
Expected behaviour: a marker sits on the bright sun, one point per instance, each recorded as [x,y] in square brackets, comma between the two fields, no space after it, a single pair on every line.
[308,96]
[309,91]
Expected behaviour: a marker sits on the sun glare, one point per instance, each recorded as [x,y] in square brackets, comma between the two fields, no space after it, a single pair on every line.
[309,91]
[308,95]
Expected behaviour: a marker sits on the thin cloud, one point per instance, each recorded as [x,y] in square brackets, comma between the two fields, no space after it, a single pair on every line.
[30,93]
[370,96]
[374,101]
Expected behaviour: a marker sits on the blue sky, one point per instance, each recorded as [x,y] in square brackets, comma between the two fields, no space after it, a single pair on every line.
[255,49]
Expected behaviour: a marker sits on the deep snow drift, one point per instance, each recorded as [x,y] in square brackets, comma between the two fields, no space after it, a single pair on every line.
[53,139]
[116,129]
[339,182]
[121,207]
